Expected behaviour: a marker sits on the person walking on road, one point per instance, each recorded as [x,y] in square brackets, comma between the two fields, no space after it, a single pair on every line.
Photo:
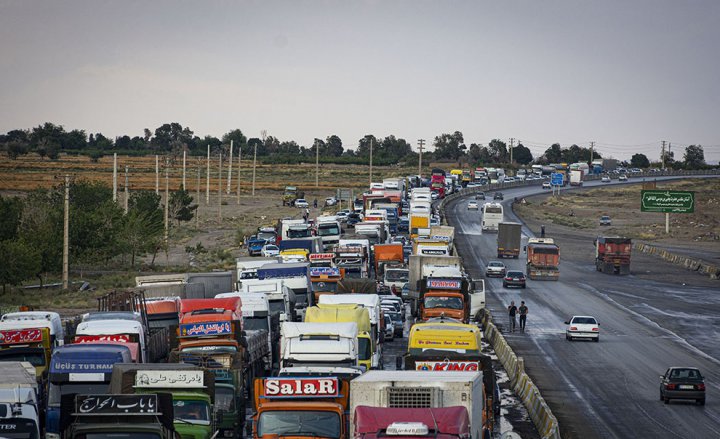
[512,311]
[523,315]
[542,231]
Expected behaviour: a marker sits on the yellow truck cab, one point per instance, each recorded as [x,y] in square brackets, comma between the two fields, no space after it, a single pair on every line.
[294,255]
[444,335]
[343,313]
[27,344]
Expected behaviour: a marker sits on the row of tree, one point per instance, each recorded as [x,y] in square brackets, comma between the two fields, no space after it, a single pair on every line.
[31,229]
[172,138]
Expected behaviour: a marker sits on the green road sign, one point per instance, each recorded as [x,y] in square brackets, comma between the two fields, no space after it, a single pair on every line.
[667,201]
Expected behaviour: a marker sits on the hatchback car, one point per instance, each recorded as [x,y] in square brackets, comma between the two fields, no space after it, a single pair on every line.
[514,279]
[270,250]
[495,268]
[480,196]
[397,323]
[605,221]
[622,177]
[301,202]
[389,328]
[546,185]
[498,196]
[473,205]
[682,383]
[605,179]
[582,327]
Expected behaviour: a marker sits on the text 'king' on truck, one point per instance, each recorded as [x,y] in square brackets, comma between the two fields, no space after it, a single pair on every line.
[543,259]
[612,254]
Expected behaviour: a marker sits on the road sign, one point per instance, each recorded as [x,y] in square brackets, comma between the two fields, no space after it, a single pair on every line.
[344,194]
[556,179]
[667,201]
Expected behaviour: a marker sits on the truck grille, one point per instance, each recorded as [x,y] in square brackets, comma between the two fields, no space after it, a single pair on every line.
[409,397]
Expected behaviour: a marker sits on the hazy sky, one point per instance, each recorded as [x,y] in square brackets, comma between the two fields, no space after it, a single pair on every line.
[625,74]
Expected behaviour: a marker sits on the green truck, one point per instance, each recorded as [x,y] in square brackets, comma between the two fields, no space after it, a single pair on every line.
[192,389]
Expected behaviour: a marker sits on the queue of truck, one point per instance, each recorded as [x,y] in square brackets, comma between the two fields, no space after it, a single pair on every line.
[278,347]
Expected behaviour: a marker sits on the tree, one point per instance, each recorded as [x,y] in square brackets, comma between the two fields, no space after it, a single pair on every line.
[10,216]
[181,207]
[478,154]
[363,149]
[449,146]
[522,154]
[553,154]
[639,161]
[169,135]
[239,141]
[333,145]
[16,149]
[694,157]
[497,151]
[141,232]
[20,262]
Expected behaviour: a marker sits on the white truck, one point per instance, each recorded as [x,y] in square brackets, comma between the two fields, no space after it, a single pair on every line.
[247,266]
[376,232]
[281,298]
[415,389]
[133,331]
[300,226]
[19,401]
[576,177]
[329,229]
[319,344]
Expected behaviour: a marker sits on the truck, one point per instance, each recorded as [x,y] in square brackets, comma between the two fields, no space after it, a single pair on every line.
[396,276]
[612,254]
[576,177]
[543,259]
[353,258]
[296,277]
[419,221]
[420,389]
[392,214]
[376,232]
[387,254]
[421,266]
[290,194]
[20,341]
[312,244]
[20,403]
[328,228]
[294,406]
[444,293]
[445,422]
[508,240]
[212,283]
[340,313]
[192,390]
[79,368]
[293,228]
[437,182]
[319,344]
[324,280]
[36,319]
[162,313]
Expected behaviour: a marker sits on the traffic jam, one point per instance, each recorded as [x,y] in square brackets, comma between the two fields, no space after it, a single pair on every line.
[294,343]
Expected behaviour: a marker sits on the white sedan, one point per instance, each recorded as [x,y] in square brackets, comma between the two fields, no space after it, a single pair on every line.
[301,202]
[605,179]
[546,185]
[473,205]
[582,327]
[270,250]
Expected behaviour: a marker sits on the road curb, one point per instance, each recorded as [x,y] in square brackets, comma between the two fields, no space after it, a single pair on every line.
[690,264]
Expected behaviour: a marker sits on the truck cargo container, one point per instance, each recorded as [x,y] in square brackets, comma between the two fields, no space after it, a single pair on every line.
[543,259]
[439,423]
[342,313]
[508,240]
[421,266]
[612,254]
[294,285]
[213,282]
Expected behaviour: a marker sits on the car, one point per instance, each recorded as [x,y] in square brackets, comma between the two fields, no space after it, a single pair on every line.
[301,202]
[480,196]
[434,195]
[341,217]
[622,177]
[405,292]
[498,196]
[495,268]
[434,220]
[473,205]
[682,383]
[582,327]
[509,180]
[546,185]
[605,220]
[514,279]
[270,250]
[397,323]
[353,218]
[331,201]
[389,328]
[472,184]
[605,179]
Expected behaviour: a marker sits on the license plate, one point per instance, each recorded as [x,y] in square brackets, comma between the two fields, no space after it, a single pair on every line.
[515,278]
[686,386]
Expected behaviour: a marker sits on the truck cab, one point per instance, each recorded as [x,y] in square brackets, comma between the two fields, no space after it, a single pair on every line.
[319,344]
[282,299]
[329,229]
[18,342]
[19,400]
[445,294]
[324,280]
[339,313]
[131,331]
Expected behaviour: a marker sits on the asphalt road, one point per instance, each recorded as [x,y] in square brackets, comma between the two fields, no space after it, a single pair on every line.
[608,389]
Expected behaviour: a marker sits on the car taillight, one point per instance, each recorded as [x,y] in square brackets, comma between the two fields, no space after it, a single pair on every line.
[701,386]
[670,386]
[508,278]
[573,328]
[595,329]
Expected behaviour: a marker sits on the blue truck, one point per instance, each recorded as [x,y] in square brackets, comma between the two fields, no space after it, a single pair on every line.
[83,368]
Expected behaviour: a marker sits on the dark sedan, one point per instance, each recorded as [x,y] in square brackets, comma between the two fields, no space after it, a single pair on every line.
[514,279]
[498,196]
[682,383]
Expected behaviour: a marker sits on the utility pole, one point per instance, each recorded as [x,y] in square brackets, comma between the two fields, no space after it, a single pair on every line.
[263,133]
[114,177]
[230,162]
[317,164]
[197,187]
[662,154]
[167,202]
[592,145]
[184,186]
[421,144]
[127,192]
[512,144]
[207,179]
[66,235]
[220,187]
[238,172]
[371,151]
[157,176]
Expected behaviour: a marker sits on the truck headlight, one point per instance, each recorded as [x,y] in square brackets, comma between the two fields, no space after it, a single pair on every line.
[52,436]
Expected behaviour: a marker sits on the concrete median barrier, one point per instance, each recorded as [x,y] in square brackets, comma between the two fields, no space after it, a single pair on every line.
[689,263]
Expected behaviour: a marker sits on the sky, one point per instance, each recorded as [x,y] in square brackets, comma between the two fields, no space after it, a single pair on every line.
[624,74]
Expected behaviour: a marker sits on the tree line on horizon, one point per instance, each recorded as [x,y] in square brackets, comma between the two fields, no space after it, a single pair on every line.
[50,140]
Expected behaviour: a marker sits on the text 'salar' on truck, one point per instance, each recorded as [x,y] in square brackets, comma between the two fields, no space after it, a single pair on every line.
[290,406]
[210,337]
[612,254]
[543,259]
[508,240]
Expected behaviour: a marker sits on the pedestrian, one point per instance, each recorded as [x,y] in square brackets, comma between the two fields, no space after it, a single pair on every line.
[523,315]
[542,231]
[315,203]
[512,311]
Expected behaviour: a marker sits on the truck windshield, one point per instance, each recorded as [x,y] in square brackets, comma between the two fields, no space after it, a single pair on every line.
[299,233]
[255,323]
[364,349]
[299,423]
[324,287]
[56,391]
[34,358]
[196,412]
[116,435]
[224,399]
[328,230]
[266,235]
[443,302]
[396,275]
[277,306]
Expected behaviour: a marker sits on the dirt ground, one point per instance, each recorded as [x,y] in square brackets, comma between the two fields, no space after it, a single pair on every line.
[696,235]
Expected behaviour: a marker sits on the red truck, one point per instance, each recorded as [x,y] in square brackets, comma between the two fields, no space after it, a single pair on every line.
[612,254]
[543,259]
[436,423]
[437,182]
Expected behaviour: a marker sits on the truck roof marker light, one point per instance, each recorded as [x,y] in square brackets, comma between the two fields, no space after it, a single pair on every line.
[407,429]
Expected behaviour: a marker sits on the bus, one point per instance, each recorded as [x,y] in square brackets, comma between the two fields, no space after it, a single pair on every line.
[492,215]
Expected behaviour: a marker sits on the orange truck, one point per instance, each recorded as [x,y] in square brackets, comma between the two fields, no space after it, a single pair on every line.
[543,259]
[387,254]
[324,280]
[294,406]
[445,294]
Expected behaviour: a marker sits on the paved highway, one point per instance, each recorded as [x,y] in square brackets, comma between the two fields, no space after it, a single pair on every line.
[608,389]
